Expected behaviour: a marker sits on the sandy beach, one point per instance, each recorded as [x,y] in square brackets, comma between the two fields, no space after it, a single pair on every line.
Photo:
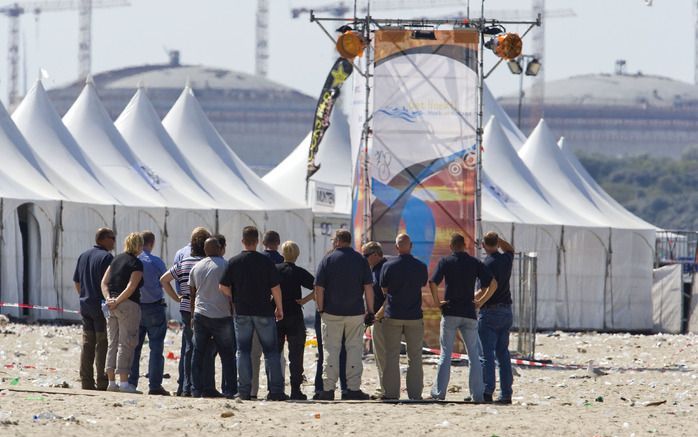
[650,389]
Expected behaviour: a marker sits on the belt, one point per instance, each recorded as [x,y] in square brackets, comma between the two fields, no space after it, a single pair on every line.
[497,305]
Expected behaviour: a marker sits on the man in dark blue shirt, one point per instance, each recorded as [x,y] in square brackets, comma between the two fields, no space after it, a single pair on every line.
[458,313]
[88,278]
[402,280]
[343,278]
[373,252]
[496,318]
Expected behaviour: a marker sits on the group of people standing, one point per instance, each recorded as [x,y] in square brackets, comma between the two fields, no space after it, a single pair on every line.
[251,305]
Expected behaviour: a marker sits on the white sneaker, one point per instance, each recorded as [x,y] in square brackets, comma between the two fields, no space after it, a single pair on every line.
[112,386]
[128,388]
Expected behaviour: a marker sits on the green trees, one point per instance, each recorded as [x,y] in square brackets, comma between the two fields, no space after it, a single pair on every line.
[662,191]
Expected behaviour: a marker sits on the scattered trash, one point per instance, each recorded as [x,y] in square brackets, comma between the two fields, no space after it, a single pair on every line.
[63,384]
[312,342]
[14,381]
[171,356]
[316,415]
[454,389]
[35,398]
[655,403]
[444,424]
[227,414]
[599,399]
[45,416]
[490,410]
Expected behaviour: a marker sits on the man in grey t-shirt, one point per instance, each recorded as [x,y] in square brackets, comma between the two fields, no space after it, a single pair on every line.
[212,316]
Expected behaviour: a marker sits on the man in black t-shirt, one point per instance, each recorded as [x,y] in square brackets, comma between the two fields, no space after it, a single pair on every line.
[402,280]
[251,279]
[292,327]
[343,278]
[87,278]
[458,313]
[496,318]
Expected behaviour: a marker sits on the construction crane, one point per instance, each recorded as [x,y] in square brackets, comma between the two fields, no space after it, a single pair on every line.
[13,13]
[262,52]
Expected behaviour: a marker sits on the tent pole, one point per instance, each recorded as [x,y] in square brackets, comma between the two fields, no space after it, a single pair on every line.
[2,239]
[478,250]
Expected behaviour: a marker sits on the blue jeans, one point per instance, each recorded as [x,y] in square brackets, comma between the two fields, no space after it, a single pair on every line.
[468,330]
[493,326]
[319,386]
[153,323]
[265,327]
[185,355]
[216,330]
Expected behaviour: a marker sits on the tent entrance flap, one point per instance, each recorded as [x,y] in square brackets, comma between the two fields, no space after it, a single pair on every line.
[31,256]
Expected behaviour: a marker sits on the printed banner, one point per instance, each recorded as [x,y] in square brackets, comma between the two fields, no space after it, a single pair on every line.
[339,73]
[421,158]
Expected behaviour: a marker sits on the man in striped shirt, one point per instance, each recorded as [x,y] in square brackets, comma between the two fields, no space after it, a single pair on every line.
[179,272]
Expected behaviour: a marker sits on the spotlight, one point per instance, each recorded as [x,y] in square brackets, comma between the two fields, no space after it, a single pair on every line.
[515,66]
[533,67]
[344,28]
[350,45]
[506,46]
[493,30]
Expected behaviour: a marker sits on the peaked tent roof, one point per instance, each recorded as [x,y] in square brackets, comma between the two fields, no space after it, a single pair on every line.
[217,164]
[20,171]
[493,109]
[61,159]
[334,157]
[503,165]
[89,123]
[544,158]
[599,193]
[140,126]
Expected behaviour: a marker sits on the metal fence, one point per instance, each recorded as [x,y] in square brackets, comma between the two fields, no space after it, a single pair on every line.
[524,288]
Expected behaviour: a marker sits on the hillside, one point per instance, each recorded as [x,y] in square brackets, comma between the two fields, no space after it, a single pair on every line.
[662,191]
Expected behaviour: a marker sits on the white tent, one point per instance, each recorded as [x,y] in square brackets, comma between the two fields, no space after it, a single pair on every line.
[249,200]
[62,183]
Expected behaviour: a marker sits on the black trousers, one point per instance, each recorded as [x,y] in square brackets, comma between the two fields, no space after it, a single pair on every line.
[291,329]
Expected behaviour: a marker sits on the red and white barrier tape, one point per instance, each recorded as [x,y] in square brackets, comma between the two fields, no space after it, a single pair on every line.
[515,361]
[37,307]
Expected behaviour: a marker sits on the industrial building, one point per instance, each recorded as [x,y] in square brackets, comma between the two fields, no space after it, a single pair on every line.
[617,114]
[260,119]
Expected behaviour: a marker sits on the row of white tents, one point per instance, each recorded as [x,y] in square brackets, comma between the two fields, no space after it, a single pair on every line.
[595,258]
[61,179]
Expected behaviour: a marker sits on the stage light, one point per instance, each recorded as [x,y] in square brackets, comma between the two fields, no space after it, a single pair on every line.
[424,34]
[343,28]
[350,45]
[533,67]
[506,46]
[514,66]
[493,30]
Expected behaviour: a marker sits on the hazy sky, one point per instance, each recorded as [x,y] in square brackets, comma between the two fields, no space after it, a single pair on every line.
[221,33]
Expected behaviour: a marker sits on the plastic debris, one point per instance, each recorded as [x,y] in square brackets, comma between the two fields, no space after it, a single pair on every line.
[171,356]
[14,381]
[599,399]
[47,415]
[444,424]
[655,403]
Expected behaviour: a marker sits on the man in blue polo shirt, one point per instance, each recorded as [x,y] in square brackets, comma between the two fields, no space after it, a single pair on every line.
[458,313]
[402,280]
[153,318]
[496,318]
[88,279]
[343,278]
[373,252]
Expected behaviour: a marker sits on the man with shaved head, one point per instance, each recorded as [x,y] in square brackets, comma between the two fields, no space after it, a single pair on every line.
[212,317]
[402,279]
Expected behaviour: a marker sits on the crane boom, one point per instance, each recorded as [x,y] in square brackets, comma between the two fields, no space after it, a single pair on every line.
[15,10]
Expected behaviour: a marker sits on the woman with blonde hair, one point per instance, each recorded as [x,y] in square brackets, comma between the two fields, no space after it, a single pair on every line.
[291,328]
[121,287]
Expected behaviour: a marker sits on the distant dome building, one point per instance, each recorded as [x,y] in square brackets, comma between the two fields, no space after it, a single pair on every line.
[262,121]
[617,114]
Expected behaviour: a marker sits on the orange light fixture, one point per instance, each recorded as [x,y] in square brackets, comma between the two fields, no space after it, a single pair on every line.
[506,45]
[350,44]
